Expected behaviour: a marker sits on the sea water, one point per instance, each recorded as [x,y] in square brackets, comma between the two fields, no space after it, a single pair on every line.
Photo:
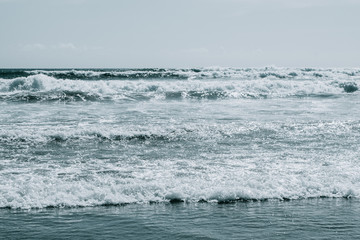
[185,153]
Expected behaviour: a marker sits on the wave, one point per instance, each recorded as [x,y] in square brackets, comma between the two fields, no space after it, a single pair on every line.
[41,87]
[69,188]
[41,181]
[233,133]
[84,194]
[191,73]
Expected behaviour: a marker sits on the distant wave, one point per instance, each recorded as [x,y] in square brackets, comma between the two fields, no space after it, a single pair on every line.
[41,87]
[191,73]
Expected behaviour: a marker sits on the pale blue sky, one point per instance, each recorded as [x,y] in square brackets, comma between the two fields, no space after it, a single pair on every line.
[183,33]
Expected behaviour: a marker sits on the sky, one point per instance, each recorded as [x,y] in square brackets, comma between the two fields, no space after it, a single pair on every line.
[179,34]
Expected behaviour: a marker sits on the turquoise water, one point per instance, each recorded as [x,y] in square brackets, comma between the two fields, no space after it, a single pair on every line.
[144,153]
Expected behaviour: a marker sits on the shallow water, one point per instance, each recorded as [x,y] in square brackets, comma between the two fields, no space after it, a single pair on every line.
[296,219]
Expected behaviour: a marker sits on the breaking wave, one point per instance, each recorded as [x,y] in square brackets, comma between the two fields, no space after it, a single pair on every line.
[41,87]
[106,188]
[192,73]
[246,132]
[79,155]
[76,181]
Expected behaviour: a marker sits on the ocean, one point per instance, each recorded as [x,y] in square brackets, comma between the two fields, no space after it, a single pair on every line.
[203,153]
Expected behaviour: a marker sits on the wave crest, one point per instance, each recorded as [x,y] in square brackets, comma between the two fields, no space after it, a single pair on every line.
[181,74]
[41,87]
[117,187]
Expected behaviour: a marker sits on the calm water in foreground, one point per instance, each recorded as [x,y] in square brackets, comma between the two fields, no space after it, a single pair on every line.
[296,219]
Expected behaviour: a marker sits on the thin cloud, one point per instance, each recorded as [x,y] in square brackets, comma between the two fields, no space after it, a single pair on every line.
[59,46]
[41,46]
[65,46]
[34,46]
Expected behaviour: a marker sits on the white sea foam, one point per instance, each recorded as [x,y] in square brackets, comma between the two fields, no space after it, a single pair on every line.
[126,184]
[313,160]
[270,144]
[32,133]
